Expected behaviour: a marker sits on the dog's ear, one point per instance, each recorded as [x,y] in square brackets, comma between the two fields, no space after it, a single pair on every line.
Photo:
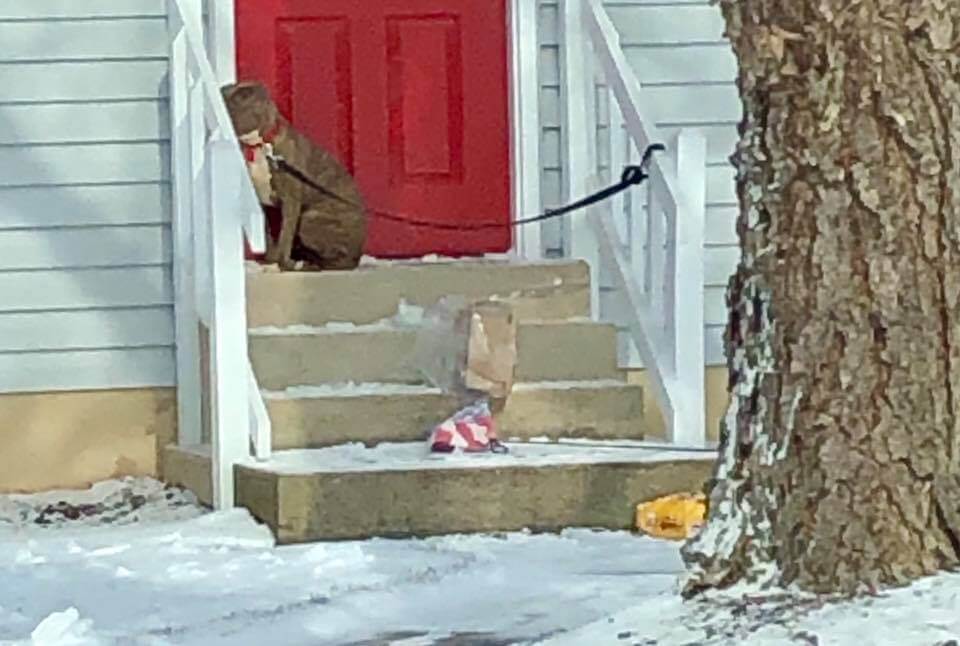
[250,106]
[242,92]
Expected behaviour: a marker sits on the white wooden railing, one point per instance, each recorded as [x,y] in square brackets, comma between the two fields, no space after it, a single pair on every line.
[653,251]
[214,208]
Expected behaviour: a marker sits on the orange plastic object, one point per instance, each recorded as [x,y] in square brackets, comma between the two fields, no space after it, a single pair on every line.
[674,517]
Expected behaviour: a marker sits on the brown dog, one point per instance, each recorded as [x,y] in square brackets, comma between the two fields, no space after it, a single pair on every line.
[325,230]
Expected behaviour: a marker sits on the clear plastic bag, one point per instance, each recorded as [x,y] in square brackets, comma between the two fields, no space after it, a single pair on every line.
[440,350]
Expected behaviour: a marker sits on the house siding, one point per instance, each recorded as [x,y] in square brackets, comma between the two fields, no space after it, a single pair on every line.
[85,245]
[688,71]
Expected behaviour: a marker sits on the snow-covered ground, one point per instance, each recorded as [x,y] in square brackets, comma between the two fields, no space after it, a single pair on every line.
[924,614]
[218,579]
[132,562]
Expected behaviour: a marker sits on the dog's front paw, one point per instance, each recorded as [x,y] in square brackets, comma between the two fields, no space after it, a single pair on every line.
[291,265]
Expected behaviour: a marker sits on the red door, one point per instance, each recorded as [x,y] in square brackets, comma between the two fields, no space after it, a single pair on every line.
[411,94]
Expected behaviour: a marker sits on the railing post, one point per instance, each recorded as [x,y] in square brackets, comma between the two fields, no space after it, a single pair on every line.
[688,332]
[580,139]
[193,14]
[525,119]
[638,224]
[230,410]
[189,415]
[201,198]
[221,42]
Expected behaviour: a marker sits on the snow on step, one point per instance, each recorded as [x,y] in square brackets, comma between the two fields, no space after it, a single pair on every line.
[367,389]
[409,456]
[406,317]
[349,389]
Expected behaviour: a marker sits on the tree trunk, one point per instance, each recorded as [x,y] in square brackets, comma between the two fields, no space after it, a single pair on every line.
[839,452]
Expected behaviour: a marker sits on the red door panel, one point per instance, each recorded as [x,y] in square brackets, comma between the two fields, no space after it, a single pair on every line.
[412,97]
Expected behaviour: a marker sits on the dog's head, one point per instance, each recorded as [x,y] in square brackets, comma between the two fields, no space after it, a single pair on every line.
[251,108]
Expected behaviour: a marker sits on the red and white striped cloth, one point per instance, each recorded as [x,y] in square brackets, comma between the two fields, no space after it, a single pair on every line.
[470,430]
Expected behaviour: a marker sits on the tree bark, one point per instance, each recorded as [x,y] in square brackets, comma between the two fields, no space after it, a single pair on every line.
[839,452]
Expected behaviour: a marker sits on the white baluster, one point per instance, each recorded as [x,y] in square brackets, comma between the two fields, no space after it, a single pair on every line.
[260,427]
[658,203]
[189,416]
[638,224]
[200,199]
[618,159]
[581,140]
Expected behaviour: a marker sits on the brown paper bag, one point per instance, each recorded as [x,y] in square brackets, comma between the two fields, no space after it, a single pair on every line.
[491,349]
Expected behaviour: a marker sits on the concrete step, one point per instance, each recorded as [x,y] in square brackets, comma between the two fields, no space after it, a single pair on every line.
[401,490]
[545,290]
[318,416]
[548,351]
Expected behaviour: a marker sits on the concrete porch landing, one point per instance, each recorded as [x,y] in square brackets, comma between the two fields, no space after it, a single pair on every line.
[401,490]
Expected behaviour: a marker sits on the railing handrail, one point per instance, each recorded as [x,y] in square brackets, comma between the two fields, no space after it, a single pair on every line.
[626,88]
[216,208]
[666,308]
[222,126]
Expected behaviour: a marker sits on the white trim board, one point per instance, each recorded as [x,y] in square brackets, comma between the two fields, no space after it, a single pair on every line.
[524,85]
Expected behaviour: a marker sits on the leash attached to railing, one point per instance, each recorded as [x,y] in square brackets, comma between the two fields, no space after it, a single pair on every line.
[632,175]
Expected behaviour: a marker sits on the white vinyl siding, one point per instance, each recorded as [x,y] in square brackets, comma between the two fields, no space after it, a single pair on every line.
[85,249]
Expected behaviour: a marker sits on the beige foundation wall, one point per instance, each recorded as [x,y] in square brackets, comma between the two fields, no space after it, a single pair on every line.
[72,439]
[717,399]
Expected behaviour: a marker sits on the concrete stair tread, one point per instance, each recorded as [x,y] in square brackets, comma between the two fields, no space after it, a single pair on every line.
[416,456]
[575,349]
[315,416]
[542,290]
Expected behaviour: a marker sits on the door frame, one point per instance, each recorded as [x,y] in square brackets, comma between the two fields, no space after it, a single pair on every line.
[523,103]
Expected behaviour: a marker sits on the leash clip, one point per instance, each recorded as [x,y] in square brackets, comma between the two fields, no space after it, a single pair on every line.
[273,160]
[636,174]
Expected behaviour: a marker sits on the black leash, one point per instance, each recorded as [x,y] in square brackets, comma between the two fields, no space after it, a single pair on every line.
[633,175]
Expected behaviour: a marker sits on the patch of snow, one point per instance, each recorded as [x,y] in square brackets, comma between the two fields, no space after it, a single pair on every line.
[349,389]
[62,629]
[202,582]
[218,579]
[117,502]
[406,317]
[539,439]
[383,389]
[432,259]
[401,456]
[588,384]
[629,444]
[923,614]
[254,267]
